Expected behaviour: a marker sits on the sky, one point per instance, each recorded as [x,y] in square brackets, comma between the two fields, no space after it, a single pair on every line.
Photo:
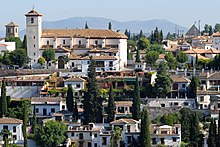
[182,12]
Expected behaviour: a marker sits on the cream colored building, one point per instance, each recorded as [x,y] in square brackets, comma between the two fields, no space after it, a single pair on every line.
[72,41]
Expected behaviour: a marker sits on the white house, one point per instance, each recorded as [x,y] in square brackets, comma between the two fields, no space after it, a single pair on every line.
[6,46]
[91,135]
[77,41]
[78,84]
[216,40]
[46,106]
[14,126]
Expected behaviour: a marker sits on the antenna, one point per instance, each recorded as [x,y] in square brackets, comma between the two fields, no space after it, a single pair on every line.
[199,27]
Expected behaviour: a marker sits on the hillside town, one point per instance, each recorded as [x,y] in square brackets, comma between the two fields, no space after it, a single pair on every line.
[89,87]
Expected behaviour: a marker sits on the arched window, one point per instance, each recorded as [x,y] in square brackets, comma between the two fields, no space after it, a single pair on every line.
[32,20]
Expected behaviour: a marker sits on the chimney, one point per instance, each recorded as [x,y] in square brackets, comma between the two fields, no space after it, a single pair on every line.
[177,71]
[185,72]
[207,74]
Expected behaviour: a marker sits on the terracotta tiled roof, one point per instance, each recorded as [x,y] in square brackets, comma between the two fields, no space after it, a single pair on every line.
[2,44]
[11,24]
[200,56]
[180,79]
[104,58]
[202,51]
[74,57]
[216,34]
[162,56]
[33,13]
[75,79]
[123,103]
[215,75]
[82,33]
[46,99]
[203,92]
[124,121]
[112,50]
[8,120]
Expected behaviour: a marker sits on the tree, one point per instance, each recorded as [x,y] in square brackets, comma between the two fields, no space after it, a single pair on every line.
[41,61]
[51,134]
[151,57]
[34,120]
[111,105]
[143,43]
[195,129]
[181,57]
[75,111]
[218,136]
[163,81]
[24,43]
[210,30]
[91,96]
[217,27]
[17,40]
[6,59]
[5,133]
[194,84]
[137,56]
[4,106]
[49,54]
[19,57]
[25,121]
[170,119]
[86,26]
[136,112]
[109,25]
[145,129]
[69,98]
[156,47]
[212,134]
[116,137]
[171,60]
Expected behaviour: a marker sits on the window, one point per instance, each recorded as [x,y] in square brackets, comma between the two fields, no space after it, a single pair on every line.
[73,64]
[49,64]
[5,127]
[88,62]
[63,107]
[32,20]
[95,145]
[110,63]
[90,133]
[14,137]
[129,139]
[52,110]
[163,132]
[34,45]
[34,54]
[218,105]
[162,141]
[96,42]
[162,105]
[186,104]
[174,139]
[9,30]
[202,99]
[183,85]
[64,41]
[104,140]
[80,135]
[154,141]
[95,135]
[114,54]
[89,144]
[176,103]
[34,37]
[14,129]
[77,85]
[44,111]
[129,128]
[72,134]
[48,42]
[80,42]
[37,110]
[203,82]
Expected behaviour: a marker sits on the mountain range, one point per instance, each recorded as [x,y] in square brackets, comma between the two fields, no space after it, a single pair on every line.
[102,23]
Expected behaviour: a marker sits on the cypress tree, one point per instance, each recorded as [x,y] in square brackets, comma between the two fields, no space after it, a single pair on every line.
[194,131]
[75,112]
[136,112]
[34,120]
[161,36]
[4,107]
[91,96]
[138,56]
[86,26]
[109,25]
[218,136]
[145,129]
[111,105]
[69,98]
[25,121]
[193,87]
[212,137]
[24,43]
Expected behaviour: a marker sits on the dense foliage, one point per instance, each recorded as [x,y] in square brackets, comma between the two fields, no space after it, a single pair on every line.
[145,129]
[111,105]
[136,112]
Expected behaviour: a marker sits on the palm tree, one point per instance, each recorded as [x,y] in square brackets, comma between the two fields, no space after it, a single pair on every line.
[116,137]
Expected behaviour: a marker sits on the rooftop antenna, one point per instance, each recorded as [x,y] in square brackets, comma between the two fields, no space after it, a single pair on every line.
[199,27]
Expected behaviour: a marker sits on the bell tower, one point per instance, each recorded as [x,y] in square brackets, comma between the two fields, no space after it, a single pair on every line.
[33,33]
[11,29]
